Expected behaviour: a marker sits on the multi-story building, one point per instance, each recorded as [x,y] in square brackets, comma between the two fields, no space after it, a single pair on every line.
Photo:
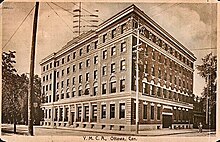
[90,82]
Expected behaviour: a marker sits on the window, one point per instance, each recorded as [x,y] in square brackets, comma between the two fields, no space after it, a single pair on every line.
[88,48]
[158,113]
[103,111]
[123,67]
[165,76]
[152,112]
[80,52]
[80,78]
[104,54]
[146,68]
[57,85]
[146,51]
[87,63]
[87,76]
[58,63]
[62,72]
[112,111]
[67,82]
[95,44]
[153,71]
[87,90]
[63,61]
[104,70]
[145,111]
[113,50]
[46,77]
[67,95]
[153,54]
[123,46]
[62,84]
[95,74]
[145,89]
[74,68]
[80,91]
[46,87]
[122,85]
[94,113]
[43,78]
[68,58]
[123,28]
[50,87]
[44,68]
[73,93]
[171,78]
[121,110]
[73,81]
[47,67]
[80,65]
[50,65]
[62,95]
[96,60]
[74,55]
[50,75]
[113,87]
[159,73]
[113,33]
[158,91]
[68,70]
[79,113]
[95,90]
[103,88]
[104,38]
[112,67]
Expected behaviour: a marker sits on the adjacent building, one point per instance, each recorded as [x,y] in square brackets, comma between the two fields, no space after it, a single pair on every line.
[90,82]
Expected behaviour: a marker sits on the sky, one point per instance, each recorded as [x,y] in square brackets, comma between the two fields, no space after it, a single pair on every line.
[192,24]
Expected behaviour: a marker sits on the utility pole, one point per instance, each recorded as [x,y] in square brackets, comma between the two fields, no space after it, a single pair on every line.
[137,82]
[31,79]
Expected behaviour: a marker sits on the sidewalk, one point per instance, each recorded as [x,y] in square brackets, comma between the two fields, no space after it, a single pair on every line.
[161,132]
[22,130]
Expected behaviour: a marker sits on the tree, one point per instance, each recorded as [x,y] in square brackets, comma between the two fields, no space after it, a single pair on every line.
[208,70]
[15,93]
[10,105]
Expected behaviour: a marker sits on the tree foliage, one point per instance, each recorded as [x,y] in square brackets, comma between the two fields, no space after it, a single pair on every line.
[208,70]
[15,92]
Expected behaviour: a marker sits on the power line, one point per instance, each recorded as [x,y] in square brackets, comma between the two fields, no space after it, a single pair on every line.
[204,49]
[87,11]
[175,4]
[154,7]
[59,16]
[18,27]
[70,12]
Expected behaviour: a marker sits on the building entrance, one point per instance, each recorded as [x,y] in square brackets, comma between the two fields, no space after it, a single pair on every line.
[167,121]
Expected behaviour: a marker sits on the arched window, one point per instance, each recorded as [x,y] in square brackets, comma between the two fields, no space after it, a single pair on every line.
[57,96]
[67,93]
[95,89]
[87,89]
[80,91]
[73,92]
[113,85]
[62,94]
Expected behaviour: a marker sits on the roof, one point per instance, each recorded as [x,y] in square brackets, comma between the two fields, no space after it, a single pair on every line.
[131,9]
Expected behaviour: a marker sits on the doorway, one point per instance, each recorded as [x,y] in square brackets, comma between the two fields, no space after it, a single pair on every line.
[167,121]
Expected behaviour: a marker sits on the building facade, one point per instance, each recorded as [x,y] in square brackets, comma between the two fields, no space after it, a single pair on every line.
[90,82]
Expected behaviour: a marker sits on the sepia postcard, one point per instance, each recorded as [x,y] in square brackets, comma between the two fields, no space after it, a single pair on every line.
[109,71]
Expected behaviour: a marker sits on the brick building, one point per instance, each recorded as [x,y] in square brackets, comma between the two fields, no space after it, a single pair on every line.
[90,82]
